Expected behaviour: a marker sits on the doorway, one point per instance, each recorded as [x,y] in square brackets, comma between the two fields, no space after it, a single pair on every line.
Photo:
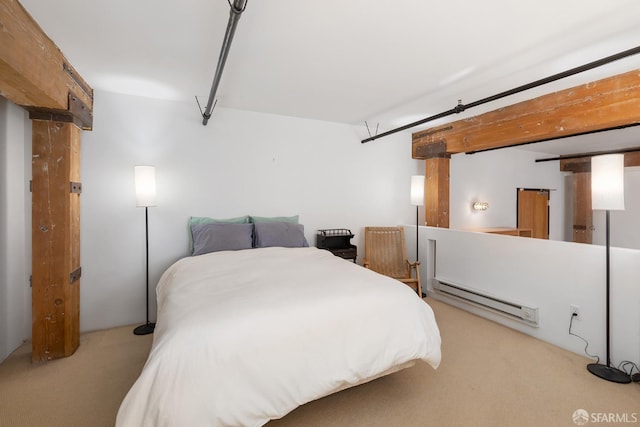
[533,211]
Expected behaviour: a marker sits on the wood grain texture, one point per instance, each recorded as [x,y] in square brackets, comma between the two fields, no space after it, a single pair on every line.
[55,240]
[582,212]
[533,212]
[583,164]
[604,104]
[34,72]
[436,189]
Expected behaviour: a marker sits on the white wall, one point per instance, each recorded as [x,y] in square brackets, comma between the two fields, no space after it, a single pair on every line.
[494,177]
[550,275]
[15,213]
[240,163]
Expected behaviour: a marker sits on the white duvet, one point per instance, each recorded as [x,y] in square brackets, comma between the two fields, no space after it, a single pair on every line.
[247,336]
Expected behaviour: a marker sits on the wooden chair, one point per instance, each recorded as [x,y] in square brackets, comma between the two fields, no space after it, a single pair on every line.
[385,253]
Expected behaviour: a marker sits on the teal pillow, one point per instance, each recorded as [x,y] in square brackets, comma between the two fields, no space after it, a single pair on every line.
[193,220]
[291,219]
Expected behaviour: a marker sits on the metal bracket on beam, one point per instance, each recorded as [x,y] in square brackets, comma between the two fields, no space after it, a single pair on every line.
[77,79]
[78,113]
[75,275]
[75,187]
[432,150]
[82,114]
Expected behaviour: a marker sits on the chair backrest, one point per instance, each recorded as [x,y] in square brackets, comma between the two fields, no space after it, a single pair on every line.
[385,251]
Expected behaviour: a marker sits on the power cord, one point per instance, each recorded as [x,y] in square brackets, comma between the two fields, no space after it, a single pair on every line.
[623,366]
[585,341]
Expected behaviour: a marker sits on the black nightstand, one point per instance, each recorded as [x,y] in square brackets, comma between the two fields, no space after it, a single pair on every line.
[338,242]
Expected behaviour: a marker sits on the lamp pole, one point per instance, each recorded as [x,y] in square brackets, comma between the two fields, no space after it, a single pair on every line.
[145,180]
[607,188]
[417,199]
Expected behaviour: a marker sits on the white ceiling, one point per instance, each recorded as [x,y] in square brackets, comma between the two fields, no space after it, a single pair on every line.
[386,62]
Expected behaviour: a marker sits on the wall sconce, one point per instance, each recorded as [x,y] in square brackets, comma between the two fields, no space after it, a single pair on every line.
[480,206]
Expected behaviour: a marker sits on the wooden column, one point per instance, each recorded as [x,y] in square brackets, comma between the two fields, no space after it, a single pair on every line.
[582,212]
[35,74]
[436,189]
[55,239]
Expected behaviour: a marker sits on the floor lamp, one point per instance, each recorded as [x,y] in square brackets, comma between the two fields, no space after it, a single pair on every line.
[145,179]
[417,199]
[607,193]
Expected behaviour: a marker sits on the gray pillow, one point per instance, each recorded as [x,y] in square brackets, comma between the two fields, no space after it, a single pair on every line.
[256,219]
[284,234]
[206,220]
[216,237]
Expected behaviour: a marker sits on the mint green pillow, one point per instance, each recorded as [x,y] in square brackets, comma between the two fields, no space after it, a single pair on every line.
[193,220]
[291,219]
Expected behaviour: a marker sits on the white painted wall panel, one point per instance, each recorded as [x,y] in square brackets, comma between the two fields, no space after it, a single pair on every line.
[550,275]
[15,304]
[240,163]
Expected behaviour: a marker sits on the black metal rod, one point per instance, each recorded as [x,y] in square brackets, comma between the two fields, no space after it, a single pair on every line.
[462,107]
[146,232]
[608,283]
[148,327]
[417,256]
[234,16]
[607,371]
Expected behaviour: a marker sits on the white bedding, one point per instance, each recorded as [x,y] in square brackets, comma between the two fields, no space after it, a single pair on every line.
[247,336]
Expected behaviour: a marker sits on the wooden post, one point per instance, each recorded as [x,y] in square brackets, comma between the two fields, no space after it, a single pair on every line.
[436,190]
[582,212]
[35,74]
[55,239]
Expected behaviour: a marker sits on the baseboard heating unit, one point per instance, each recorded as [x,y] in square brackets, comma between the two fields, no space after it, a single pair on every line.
[514,310]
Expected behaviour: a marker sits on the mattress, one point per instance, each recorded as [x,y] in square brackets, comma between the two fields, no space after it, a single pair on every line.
[243,337]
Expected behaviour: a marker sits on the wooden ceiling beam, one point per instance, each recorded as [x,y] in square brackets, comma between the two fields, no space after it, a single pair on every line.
[609,103]
[35,73]
[583,164]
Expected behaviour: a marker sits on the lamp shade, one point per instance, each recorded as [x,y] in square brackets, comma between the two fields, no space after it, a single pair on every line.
[607,182]
[417,190]
[145,177]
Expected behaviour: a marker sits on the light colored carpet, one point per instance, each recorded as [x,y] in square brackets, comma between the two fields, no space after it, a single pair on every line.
[490,376]
[83,390]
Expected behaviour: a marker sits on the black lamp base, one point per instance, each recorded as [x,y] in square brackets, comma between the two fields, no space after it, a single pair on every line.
[608,373]
[145,329]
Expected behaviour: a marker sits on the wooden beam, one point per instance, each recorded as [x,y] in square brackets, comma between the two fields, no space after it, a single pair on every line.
[604,104]
[583,164]
[632,159]
[577,165]
[436,189]
[34,72]
[55,240]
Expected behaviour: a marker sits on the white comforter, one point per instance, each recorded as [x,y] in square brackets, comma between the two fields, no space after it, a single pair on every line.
[247,336]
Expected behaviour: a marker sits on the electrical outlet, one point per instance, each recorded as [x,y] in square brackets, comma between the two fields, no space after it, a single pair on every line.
[575,310]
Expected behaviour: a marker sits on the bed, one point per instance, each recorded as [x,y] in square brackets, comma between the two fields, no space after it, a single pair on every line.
[246,336]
